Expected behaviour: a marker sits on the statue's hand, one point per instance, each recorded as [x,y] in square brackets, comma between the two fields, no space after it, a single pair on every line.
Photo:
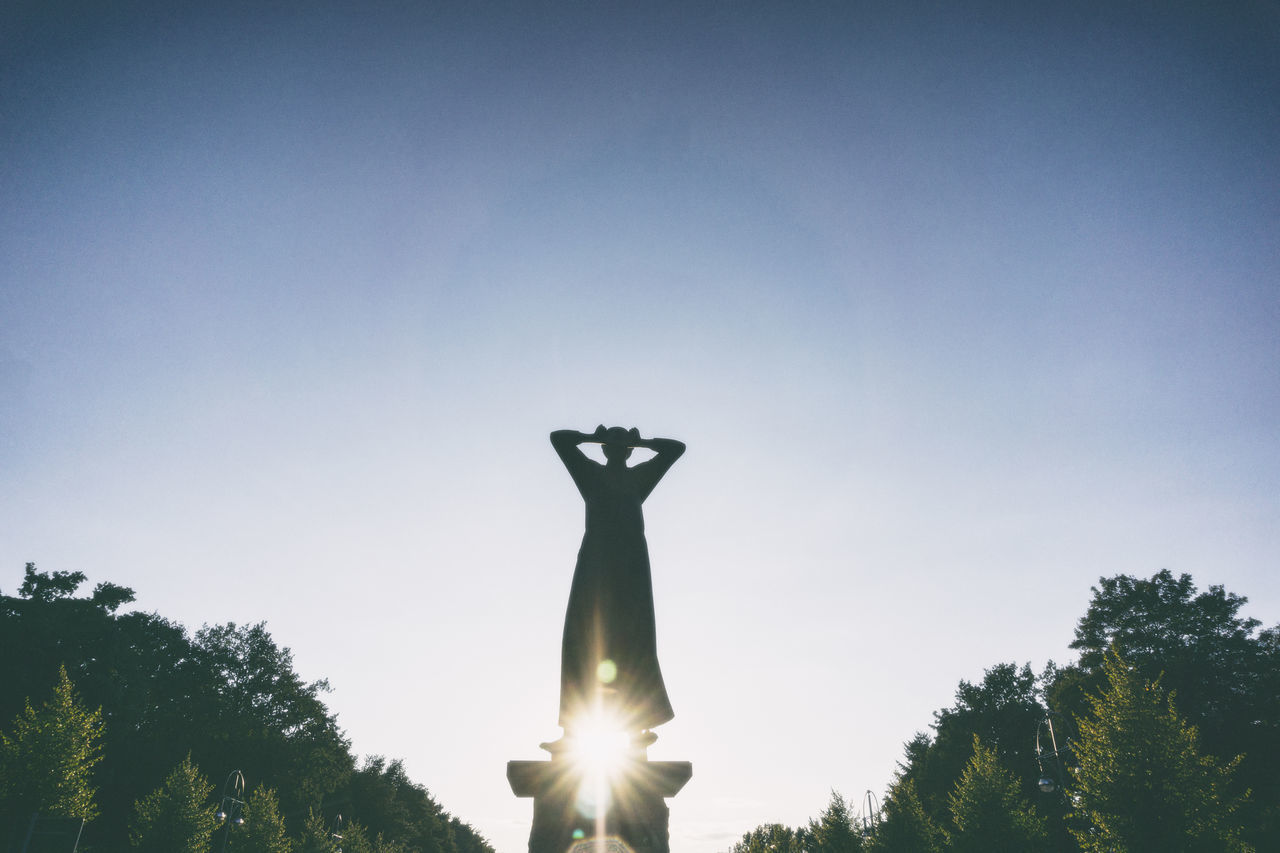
[600,433]
[634,435]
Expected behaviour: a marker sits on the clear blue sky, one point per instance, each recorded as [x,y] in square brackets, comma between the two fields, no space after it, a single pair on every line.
[958,306]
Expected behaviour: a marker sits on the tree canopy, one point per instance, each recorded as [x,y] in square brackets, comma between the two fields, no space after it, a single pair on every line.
[225,697]
[988,810]
[905,826]
[46,763]
[1141,783]
[177,816]
[1195,642]
[1002,710]
[771,838]
[1165,730]
[1223,670]
[835,830]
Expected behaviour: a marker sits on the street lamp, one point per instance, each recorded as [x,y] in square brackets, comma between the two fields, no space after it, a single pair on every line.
[1045,736]
[231,812]
[870,813]
[334,836]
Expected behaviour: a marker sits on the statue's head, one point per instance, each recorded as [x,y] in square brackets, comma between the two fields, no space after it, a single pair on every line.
[617,443]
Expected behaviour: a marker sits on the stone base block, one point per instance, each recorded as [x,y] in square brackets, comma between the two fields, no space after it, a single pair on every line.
[573,812]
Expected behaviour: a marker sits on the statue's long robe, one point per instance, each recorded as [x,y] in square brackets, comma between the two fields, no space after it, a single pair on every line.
[610,615]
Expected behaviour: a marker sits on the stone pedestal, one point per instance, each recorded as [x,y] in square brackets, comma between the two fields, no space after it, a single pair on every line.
[567,804]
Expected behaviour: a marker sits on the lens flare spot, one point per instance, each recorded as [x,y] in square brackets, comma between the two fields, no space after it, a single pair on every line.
[578,835]
[593,800]
[607,671]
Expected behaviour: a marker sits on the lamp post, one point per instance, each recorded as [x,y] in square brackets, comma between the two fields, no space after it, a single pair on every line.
[1047,750]
[870,813]
[231,811]
[334,836]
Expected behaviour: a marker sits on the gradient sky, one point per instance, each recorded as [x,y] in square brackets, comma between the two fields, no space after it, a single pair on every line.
[958,306]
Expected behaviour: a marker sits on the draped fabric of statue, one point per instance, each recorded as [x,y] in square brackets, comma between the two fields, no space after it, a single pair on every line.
[609,656]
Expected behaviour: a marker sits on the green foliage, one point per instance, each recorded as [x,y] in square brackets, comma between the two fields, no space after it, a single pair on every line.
[176,817]
[390,804]
[1225,672]
[46,765]
[43,586]
[988,811]
[264,829]
[259,716]
[770,838]
[1003,710]
[356,839]
[1194,642]
[326,836]
[905,827]
[227,697]
[1141,783]
[131,665]
[834,830]
[465,838]
[393,810]
[319,835]
[396,815]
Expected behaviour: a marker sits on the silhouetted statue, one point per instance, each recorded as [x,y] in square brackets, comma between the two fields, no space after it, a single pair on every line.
[608,666]
[609,657]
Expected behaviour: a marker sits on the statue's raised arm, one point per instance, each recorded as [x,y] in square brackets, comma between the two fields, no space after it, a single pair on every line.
[666,451]
[617,444]
[566,442]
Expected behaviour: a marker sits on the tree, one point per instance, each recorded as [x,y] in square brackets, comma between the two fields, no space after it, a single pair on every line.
[389,804]
[356,839]
[264,830]
[834,830]
[391,810]
[47,764]
[906,827]
[227,696]
[319,835]
[770,838]
[176,817]
[1141,783]
[131,665]
[1003,710]
[46,586]
[251,710]
[51,629]
[1225,672]
[988,810]
[466,839]
[1195,642]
